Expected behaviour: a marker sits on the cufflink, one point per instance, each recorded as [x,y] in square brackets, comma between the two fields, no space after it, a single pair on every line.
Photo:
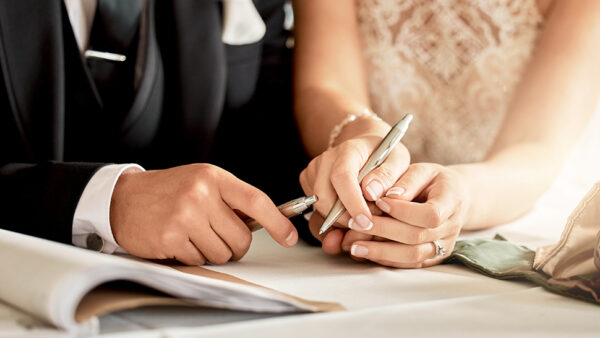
[94,242]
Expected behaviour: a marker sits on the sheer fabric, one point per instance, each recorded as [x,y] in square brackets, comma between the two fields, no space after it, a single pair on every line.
[454,64]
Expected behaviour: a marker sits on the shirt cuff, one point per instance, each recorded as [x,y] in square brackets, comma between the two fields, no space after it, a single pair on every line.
[91,223]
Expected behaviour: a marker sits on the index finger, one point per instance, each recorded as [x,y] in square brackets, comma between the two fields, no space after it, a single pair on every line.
[344,178]
[256,204]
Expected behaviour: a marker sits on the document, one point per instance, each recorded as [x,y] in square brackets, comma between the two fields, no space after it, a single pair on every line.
[70,287]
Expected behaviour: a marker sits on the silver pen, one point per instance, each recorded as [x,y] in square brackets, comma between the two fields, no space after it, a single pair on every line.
[288,209]
[388,143]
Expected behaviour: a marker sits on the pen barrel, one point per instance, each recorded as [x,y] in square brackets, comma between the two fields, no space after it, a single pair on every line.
[336,211]
[253,225]
[288,209]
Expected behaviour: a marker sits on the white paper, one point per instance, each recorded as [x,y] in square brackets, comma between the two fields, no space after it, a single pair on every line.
[48,280]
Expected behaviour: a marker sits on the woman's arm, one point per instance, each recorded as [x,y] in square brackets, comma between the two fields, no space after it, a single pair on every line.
[552,104]
[329,76]
[329,85]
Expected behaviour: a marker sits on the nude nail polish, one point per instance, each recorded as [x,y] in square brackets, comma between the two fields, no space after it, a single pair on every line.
[395,192]
[381,204]
[359,251]
[360,222]
[375,189]
[290,240]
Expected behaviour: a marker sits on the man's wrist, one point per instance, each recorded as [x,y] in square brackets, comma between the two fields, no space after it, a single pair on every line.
[91,222]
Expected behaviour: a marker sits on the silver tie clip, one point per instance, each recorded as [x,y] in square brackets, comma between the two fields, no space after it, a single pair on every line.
[94,54]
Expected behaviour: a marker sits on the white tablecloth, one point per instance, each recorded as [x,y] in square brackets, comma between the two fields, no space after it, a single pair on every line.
[446,300]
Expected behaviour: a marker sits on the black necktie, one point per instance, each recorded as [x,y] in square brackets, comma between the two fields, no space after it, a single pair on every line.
[115,30]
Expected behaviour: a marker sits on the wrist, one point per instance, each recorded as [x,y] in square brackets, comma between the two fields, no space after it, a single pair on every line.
[118,204]
[362,125]
[471,185]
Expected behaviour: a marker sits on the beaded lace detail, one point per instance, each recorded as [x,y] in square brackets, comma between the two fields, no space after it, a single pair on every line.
[453,64]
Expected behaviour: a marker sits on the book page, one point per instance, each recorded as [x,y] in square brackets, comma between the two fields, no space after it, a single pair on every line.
[49,280]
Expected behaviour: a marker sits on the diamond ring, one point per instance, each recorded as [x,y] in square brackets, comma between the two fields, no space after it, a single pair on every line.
[439,249]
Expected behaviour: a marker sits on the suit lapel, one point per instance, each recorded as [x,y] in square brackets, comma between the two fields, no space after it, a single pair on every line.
[31,57]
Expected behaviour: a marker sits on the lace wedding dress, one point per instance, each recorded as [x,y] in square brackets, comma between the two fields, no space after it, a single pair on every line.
[453,64]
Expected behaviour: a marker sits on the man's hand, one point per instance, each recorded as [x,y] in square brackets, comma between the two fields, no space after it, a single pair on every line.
[187,213]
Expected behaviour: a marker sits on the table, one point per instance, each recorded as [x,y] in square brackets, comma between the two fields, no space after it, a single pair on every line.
[445,300]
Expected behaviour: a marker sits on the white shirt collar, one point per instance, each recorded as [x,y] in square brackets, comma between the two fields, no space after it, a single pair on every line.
[241,22]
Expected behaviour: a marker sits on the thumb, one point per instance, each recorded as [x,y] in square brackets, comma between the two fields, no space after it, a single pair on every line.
[384,176]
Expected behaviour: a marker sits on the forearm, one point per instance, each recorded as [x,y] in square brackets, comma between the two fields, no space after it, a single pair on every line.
[551,107]
[329,79]
[507,186]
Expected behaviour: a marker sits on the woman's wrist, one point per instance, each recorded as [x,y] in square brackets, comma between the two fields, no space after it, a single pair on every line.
[482,202]
[363,125]
[469,175]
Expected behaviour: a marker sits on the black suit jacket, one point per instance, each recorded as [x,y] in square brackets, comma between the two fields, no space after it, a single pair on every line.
[214,96]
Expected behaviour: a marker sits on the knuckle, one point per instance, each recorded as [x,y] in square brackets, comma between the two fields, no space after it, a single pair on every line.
[341,174]
[205,172]
[419,169]
[179,215]
[169,239]
[433,216]
[386,175]
[351,148]
[221,258]
[197,191]
[417,237]
[455,227]
[210,170]
[416,254]
[256,198]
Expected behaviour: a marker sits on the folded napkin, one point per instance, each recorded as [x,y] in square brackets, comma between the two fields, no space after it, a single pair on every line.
[571,267]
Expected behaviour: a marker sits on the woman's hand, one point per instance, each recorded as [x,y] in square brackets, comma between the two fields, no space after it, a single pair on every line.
[334,173]
[428,203]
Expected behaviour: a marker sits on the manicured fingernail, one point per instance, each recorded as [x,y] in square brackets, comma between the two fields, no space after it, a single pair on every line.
[359,250]
[290,240]
[375,189]
[381,204]
[395,192]
[360,222]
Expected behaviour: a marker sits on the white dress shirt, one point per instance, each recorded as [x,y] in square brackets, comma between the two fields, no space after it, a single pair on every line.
[242,24]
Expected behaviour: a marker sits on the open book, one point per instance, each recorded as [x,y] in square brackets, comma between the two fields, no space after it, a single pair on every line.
[69,287]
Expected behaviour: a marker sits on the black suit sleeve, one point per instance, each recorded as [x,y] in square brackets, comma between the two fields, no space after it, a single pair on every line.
[40,199]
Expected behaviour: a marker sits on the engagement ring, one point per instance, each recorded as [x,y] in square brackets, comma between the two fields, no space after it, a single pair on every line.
[439,249]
